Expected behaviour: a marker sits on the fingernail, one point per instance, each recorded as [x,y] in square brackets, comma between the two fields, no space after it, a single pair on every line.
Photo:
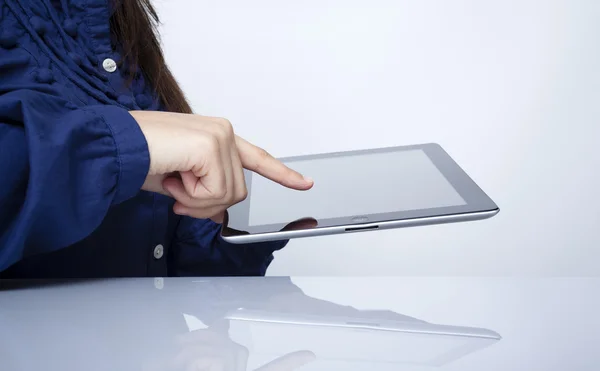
[308,179]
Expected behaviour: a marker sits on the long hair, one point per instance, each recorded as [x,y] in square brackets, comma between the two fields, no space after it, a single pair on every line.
[134,24]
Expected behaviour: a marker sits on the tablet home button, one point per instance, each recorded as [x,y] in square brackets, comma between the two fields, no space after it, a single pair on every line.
[360,219]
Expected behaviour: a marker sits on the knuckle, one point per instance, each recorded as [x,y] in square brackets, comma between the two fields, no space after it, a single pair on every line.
[196,197]
[240,195]
[211,143]
[223,130]
[220,193]
[225,124]
[263,154]
[223,121]
[228,197]
[243,194]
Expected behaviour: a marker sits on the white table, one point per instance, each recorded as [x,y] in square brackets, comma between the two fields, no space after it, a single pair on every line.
[145,324]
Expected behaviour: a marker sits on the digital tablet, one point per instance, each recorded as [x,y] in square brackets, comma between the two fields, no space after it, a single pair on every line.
[357,191]
[354,341]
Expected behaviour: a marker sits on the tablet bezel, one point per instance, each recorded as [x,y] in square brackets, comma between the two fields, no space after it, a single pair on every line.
[476,200]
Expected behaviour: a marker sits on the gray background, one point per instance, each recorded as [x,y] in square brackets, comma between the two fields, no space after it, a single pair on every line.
[511,89]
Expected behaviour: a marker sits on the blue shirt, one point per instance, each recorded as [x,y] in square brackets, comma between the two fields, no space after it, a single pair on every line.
[73,160]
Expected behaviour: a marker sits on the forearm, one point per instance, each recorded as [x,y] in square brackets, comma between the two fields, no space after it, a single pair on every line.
[62,169]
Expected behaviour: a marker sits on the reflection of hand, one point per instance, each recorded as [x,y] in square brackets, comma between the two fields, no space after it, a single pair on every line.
[209,350]
[289,362]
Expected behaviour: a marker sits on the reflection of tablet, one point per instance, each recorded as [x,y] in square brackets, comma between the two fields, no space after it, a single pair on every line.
[347,341]
[359,191]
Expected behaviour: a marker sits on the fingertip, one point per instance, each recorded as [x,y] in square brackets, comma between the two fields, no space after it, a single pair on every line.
[189,181]
[179,209]
[311,223]
[309,182]
[170,183]
[301,182]
[304,184]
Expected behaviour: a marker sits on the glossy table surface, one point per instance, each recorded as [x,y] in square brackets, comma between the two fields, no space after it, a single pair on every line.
[280,324]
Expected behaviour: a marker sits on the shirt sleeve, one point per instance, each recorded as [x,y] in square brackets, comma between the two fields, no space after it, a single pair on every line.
[199,250]
[61,168]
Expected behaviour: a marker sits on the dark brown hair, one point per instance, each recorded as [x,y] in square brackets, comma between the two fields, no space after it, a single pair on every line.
[134,24]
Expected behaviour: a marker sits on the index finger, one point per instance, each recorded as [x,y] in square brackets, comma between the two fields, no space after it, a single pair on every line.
[261,162]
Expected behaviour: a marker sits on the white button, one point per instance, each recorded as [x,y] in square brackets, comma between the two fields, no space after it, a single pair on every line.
[109,65]
[158,251]
[159,283]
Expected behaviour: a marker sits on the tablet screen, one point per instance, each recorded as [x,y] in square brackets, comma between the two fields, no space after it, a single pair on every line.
[363,184]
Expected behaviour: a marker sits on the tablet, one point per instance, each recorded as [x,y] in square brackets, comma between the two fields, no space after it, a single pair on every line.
[358,191]
[370,341]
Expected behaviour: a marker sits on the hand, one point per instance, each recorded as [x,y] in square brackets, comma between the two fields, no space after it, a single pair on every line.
[199,161]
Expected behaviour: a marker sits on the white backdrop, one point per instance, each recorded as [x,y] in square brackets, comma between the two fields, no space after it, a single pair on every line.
[511,89]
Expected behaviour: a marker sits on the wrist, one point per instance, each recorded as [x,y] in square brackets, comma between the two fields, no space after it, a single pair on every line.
[144,122]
